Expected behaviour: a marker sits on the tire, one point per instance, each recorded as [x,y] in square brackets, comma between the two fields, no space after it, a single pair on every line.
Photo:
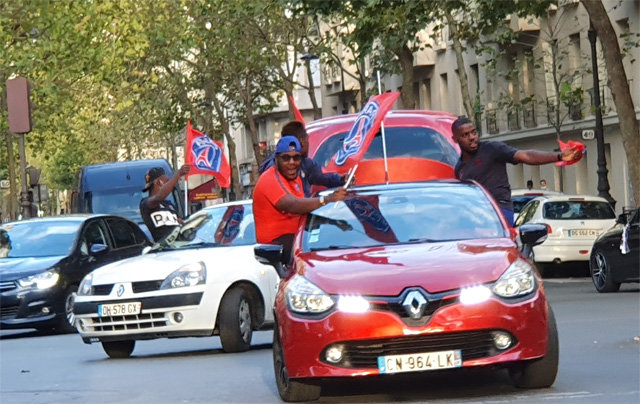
[290,390]
[235,321]
[601,273]
[118,349]
[540,373]
[66,324]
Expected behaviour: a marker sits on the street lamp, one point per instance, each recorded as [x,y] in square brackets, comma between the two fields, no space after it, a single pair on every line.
[603,181]
[308,57]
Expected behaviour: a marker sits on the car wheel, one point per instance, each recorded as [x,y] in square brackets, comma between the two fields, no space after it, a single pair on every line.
[118,349]
[235,321]
[541,372]
[66,324]
[290,390]
[601,273]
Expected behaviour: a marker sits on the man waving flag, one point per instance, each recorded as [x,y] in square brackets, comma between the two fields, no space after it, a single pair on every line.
[206,156]
[364,129]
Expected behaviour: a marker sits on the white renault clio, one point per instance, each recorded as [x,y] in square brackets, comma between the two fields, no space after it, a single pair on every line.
[201,280]
[573,223]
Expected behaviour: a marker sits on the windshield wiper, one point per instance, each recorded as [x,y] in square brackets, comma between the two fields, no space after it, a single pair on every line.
[202,244]
[330,247]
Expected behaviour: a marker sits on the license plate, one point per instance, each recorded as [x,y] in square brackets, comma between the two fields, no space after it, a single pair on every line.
[420,361]
[119,309]
[583,233]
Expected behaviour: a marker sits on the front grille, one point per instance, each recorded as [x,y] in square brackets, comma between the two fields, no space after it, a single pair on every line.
[147,286]
[395,306]
[365,353]
[7,285]
[101,290]
[7,312]
[133,322]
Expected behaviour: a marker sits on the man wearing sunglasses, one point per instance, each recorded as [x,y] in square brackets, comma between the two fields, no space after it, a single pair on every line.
[310,171]
[279,201]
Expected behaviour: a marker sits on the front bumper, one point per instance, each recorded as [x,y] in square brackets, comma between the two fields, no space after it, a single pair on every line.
[161,316]
[379,333]
[31,308]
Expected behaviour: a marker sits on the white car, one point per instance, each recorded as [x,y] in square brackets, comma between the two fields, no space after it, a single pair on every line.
[201,280]
[521,197]
[573,223]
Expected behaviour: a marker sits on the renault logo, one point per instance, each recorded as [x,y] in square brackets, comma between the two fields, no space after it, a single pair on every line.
[120,290]
[415,304]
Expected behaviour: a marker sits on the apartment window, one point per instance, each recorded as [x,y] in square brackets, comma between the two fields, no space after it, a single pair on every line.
[425,94]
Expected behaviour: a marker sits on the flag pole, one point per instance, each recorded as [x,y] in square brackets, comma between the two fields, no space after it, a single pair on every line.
[384,141]
[186,197]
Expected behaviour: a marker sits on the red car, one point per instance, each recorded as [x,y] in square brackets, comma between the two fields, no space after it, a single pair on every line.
[410,277]
[419,146]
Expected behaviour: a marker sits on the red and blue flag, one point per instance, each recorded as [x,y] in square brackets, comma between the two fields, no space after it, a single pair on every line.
[361,134]
[206,156]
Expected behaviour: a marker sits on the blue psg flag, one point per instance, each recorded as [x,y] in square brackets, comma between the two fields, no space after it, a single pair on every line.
[206,156]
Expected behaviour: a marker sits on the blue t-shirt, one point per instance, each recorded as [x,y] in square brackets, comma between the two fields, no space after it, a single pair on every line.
[488,167]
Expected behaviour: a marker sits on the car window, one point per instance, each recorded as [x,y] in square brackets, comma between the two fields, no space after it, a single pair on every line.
[39,238]
[577,210]
[527,212]
[520,201]
[123,233]
[440,213]
[93,233]
[120,201]
[401,142]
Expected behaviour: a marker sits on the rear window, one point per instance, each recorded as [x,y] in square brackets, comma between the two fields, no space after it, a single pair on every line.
[520,201]
[571,210]
[401,142]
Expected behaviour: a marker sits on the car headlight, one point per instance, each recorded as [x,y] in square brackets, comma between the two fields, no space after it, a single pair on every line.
[43,280]
[517,280]
[306,298]
[85,286]
[189,275]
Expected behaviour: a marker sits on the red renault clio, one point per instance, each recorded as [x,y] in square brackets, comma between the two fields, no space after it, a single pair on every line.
[410,277]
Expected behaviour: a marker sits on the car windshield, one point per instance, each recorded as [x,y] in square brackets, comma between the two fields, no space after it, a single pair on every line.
[222,226]
[571,210]
[120,201]
[39,238]
[401,142]
[438,212]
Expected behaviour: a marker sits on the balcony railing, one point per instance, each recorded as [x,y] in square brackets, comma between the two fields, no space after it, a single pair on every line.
[492,123]
[529,115]
[513,119]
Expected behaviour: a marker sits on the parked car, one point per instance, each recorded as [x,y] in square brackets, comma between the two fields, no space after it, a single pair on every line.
[410,277]
[201,280]
[419,146]
[615,256]
[521,197]
[116,188]
[573,223]
[44,260]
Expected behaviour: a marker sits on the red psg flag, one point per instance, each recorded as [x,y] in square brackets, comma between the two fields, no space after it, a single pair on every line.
[356,143]
[206,156]
[296,111]
[366,209]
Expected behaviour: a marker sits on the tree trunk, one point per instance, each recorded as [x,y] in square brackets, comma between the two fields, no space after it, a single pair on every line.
[233,160]
[462,72]
[317,114]
[619,85]
[406,62]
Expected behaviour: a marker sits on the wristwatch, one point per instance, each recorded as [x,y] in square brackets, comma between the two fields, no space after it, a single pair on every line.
[322,201]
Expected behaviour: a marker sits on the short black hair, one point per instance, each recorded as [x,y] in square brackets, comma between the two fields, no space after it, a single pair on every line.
[462,120]
[294,128]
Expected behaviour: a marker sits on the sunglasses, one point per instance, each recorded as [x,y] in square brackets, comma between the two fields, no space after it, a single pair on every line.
[288,157]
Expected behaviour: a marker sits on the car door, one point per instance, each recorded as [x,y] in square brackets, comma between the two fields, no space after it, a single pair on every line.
[127,238]
[630,262]
[93,233]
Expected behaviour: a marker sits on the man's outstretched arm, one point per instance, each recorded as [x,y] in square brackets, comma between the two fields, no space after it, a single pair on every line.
[539,157]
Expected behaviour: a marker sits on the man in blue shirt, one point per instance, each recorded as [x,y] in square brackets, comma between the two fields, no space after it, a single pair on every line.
[310,171]
[486,162]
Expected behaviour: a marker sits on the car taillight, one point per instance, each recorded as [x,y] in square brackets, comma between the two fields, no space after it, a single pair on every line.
[549,229]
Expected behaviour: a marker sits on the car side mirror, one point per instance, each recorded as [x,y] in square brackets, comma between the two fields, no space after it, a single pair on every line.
[271,254]
[533,233]
[97,250]
[622,218]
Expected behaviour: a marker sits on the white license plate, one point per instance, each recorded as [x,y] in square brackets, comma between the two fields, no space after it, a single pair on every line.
[583,233]
[420,361]
[119,309]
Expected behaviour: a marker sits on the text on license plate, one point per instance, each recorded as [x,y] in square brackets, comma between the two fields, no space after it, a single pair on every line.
[420,361]
[583,233]
[119,309]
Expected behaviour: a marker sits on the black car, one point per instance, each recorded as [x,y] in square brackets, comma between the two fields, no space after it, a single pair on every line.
[42,262]
[615,256]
